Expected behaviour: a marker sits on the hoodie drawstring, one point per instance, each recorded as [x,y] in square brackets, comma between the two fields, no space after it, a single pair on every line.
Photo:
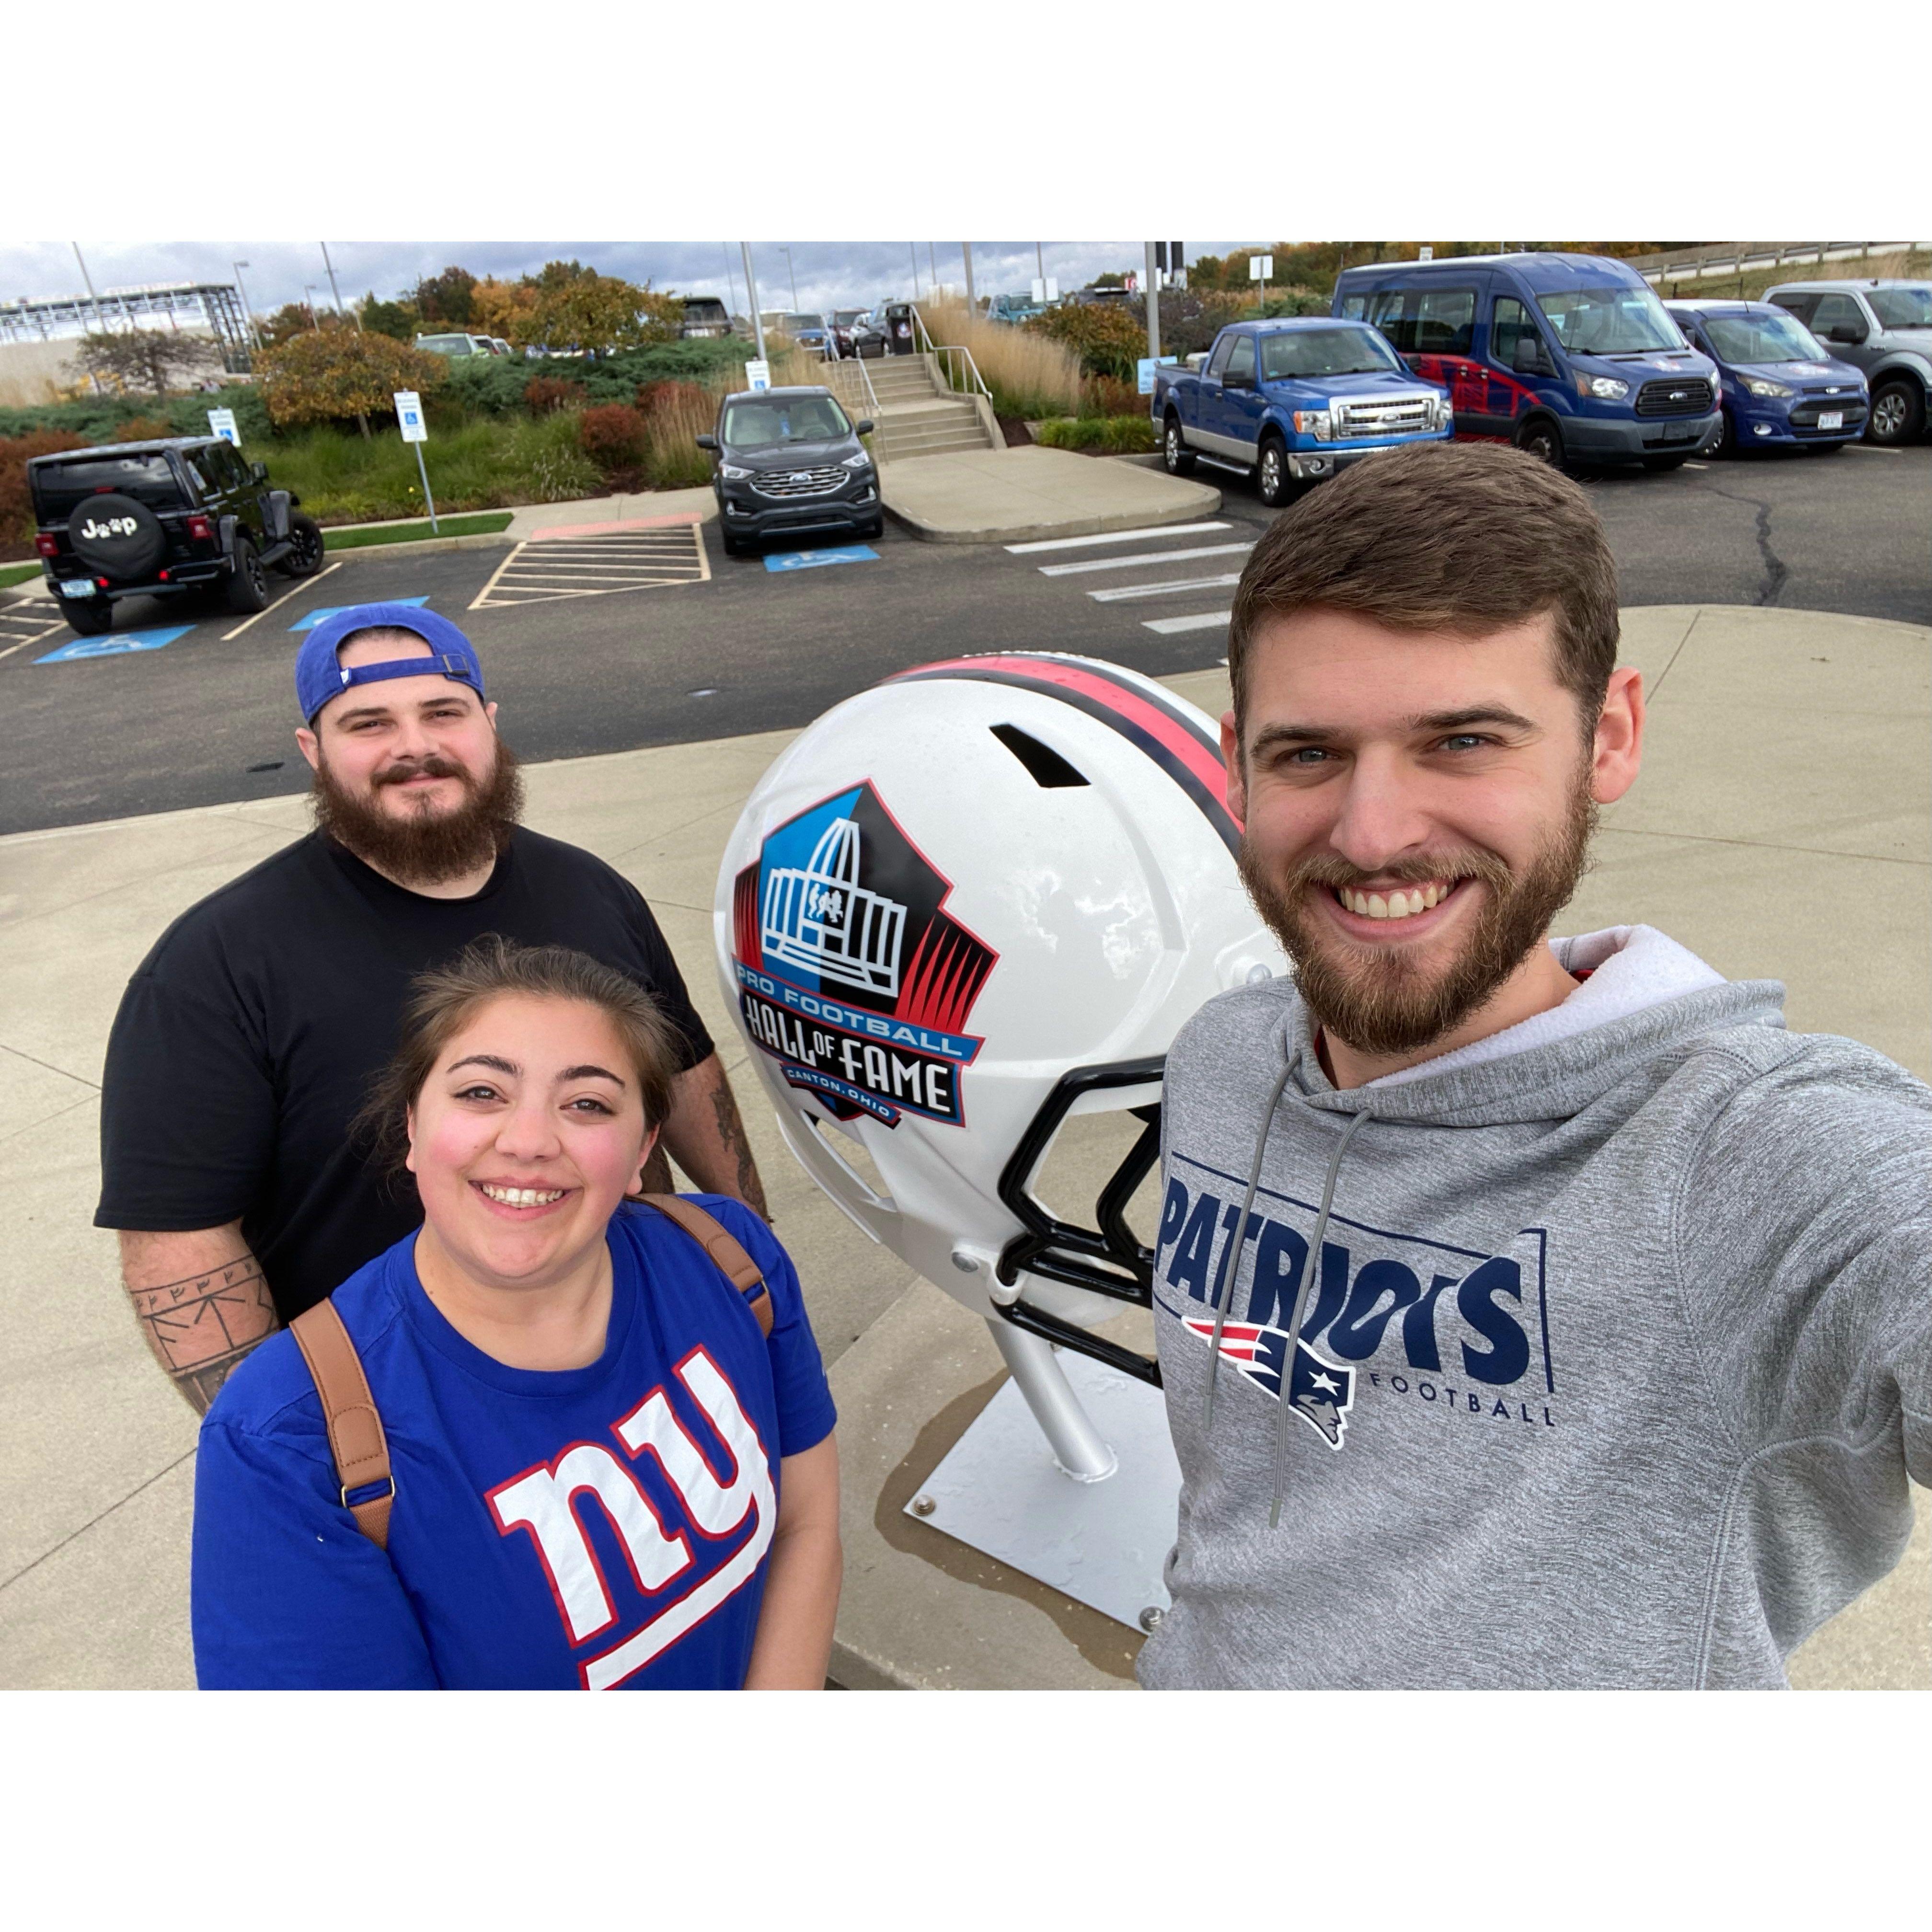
[1231,1266]
[1308,1263]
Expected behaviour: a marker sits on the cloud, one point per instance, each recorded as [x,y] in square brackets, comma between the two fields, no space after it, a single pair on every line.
[828,274]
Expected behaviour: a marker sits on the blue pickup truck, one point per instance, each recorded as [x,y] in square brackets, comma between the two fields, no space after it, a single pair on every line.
[1294,400]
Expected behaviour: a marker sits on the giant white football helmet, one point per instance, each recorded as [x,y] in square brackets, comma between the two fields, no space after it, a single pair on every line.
[961,908]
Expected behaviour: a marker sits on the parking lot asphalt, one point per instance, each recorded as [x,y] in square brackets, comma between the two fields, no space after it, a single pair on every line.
[201,712]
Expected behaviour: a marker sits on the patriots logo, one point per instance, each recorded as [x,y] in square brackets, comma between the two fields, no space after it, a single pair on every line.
[1322,1393]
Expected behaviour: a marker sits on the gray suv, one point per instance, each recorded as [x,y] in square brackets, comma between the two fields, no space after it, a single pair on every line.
[789,461]
[1882,328]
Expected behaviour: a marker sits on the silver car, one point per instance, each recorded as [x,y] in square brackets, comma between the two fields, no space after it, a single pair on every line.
[1882,328]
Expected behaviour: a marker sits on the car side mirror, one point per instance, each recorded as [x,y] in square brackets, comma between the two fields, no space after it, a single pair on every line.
[707,442]
[1230,380]
[1845,331]
[864,428]
[1529,359]
[261,472]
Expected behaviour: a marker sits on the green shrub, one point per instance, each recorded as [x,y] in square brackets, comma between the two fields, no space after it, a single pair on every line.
[1106,337]
[107,418]
[1118,435]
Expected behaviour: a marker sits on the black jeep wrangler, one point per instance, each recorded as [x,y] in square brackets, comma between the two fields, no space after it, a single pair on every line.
[183,513]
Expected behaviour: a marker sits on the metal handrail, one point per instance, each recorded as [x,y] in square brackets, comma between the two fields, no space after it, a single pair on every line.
[959,375]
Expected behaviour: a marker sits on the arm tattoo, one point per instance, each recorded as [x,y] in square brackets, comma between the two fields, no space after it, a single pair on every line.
[731,1135]
[200,1326]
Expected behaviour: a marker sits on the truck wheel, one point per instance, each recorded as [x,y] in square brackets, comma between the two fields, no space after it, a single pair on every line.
[1175,455]
[88,617]
[1897,413]
[734,545]
[248,585]
[1540,438]
[1271,473]
[1723,439]
[303,558]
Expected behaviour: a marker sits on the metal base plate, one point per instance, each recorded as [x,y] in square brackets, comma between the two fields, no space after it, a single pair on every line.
[1101,1544]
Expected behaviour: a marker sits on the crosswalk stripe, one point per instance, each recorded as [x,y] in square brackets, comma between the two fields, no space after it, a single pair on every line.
[1141,557]
[1205,620]
[1112,536]
[1129,592]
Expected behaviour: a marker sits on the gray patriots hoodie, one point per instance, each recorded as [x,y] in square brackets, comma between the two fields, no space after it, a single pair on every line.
[1615,1354]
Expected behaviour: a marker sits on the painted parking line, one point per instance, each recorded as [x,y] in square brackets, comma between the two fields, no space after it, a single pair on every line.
[1113,536]
[307,584]
[599,560]
[1129,592]
[314,617]
[115,645]
[811,560]
[1206,620]
[1142,557]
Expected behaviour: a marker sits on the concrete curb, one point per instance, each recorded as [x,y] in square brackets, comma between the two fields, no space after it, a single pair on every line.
[1057,527]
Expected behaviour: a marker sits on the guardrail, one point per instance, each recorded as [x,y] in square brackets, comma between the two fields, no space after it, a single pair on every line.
[1733,258]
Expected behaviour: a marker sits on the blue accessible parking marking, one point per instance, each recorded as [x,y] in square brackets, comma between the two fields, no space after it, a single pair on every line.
[315,617]
[114,646]
[810,559]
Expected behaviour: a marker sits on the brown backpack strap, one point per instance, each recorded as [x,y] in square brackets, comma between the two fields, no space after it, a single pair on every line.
[723,1246]
[356,1438]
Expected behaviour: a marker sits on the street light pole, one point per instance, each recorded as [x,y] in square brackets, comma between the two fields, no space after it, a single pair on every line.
[793,274]
[308,299]
[1153,306]
[966,249]
[751,295]
[333,290]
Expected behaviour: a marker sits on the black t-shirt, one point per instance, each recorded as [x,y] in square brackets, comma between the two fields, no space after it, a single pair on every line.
[247,1041]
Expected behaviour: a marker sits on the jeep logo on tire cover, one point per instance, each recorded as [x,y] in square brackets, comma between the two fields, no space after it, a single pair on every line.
[115,527]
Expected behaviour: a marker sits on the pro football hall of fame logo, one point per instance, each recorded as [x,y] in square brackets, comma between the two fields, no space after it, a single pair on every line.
[851,975]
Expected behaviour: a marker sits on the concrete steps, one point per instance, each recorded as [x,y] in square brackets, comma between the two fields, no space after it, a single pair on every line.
[913,416]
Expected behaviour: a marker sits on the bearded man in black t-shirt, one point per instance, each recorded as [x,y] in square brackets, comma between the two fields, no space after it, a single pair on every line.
[246,1039]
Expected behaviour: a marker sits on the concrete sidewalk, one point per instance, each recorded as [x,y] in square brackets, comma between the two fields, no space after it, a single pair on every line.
[1787,803]
[1019,496]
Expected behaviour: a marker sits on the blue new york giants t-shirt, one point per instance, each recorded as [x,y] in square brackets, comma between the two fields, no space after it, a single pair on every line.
[597,1527]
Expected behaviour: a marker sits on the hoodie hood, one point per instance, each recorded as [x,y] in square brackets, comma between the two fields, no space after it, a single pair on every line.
[1645,997]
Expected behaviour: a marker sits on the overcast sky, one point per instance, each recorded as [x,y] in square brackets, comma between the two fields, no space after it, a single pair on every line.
[829,274]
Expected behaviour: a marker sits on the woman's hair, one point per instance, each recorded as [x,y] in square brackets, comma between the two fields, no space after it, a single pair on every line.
[444,1000]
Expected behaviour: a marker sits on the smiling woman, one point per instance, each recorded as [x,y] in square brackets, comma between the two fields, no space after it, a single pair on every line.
[561,1371]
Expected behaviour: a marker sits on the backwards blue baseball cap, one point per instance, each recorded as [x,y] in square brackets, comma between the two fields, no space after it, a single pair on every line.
[319,678]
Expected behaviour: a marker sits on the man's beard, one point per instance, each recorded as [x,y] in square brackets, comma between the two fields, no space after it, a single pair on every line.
[420,847]
[1380,1000]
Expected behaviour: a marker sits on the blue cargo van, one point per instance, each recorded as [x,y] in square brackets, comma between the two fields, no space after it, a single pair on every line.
[1571,357]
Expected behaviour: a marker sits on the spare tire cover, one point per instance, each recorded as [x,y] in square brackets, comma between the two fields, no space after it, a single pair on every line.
[115,536]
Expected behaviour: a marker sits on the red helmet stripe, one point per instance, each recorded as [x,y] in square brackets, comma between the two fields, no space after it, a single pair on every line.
[1166,732]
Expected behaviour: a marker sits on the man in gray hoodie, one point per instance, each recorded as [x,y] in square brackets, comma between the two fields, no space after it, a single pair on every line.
[1613,1297]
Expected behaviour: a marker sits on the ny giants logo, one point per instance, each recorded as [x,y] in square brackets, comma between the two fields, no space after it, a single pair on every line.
[543,1502]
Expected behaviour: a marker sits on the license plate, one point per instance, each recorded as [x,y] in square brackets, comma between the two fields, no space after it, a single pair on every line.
[77,586]
[1832,419]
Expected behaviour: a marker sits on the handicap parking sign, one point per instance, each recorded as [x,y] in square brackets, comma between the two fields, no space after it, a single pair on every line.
[113,646]
[810,559]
